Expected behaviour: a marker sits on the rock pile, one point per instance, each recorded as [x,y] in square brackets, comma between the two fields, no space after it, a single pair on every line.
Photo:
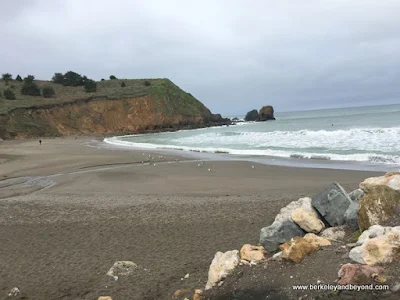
[305,225]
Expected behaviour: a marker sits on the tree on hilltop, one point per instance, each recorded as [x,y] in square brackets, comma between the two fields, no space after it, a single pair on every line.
[72,79]
[58,78]
[29,79]
[18,78]
[112,77]
[29,87]
[6,77]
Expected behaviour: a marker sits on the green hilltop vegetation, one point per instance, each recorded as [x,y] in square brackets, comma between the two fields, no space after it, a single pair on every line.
[69,87]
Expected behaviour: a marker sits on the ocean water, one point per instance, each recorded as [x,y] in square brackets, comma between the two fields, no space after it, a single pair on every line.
[363,134]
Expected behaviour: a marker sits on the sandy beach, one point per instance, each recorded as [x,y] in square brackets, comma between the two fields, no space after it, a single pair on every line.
[69,210]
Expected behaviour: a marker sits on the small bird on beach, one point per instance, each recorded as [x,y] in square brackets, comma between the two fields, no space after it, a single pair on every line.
[209,170]
[154,165]
[253,167]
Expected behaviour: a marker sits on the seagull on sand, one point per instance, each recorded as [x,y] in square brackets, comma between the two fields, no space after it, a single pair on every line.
[253,167]
[209,170]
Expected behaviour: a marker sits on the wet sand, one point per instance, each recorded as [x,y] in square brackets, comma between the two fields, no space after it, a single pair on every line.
[69,211]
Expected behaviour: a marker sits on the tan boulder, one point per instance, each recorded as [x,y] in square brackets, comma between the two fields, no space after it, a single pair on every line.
[337,233]
[391,179]
[296,249]
[252,253]
[378,250]
[197,294]
[358,274]
[104,298]
[221,266]
[377,206]
[181,293]
[317,240]
[307,220]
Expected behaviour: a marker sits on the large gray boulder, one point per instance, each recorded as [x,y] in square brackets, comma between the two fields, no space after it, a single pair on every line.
[332,204]
[273,236]
[351,214]
[356,195]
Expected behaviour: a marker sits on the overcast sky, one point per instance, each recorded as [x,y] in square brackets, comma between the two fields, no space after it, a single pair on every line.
[232,55]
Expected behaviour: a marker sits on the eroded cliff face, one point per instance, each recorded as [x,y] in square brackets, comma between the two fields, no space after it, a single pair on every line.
[104,116]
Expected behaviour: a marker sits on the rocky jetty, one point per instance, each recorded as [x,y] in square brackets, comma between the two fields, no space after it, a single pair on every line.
[298,231]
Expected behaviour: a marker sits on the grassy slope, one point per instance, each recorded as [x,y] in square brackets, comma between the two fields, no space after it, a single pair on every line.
[167,96]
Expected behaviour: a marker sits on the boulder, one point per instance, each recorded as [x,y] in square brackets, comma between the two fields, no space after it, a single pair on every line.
[278,233]
[104,298]
[391,180]
[285,214]
[252,253]
[378,250]
[334,233]
[296,249]
[356,195]
[317,240]
[221,266]
[358,274]
[351,215]
[375,231]
[251,115]
[377,206]
[122,268]
[266,113]
[332,204]
[307,220]
[197,294]
[283,229]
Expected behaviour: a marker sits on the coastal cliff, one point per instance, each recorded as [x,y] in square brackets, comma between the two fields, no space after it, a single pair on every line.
[161,106]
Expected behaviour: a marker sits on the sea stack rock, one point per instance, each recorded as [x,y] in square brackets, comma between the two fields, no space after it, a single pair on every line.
[251,115]
[266,113]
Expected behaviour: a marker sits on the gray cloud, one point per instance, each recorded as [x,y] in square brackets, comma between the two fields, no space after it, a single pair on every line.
[233,55]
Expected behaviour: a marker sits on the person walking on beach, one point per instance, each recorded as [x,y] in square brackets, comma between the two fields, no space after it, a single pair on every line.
[40,142]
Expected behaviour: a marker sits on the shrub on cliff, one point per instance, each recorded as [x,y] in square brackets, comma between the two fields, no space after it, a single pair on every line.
[112,77]
[147,83]
[48,92]
[9,94]
[123,84]
[90,86]
[29,87]
[18,78]
[251,115]
[73,79]
[58,78]
[6,77]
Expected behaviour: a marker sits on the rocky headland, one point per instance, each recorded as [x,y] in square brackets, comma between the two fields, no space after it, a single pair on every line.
[116,107]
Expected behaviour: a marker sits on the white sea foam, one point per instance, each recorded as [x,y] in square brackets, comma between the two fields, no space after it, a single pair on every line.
[378,145]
